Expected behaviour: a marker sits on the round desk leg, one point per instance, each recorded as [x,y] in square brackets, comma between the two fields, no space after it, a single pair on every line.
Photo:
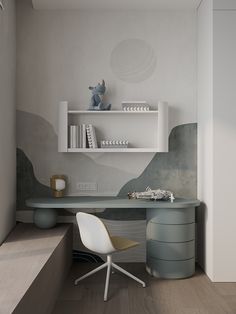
[171,242]
[45,218]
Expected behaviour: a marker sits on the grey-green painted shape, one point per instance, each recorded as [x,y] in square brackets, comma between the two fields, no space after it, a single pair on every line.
[170,233]
[175,170]
[170,269]
[172,216]
[76,202]
[171,251]
[28,185]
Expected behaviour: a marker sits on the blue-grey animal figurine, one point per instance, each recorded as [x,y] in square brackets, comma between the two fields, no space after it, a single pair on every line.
[97,97]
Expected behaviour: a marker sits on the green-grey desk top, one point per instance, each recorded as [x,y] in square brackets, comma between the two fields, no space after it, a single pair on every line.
[77,202]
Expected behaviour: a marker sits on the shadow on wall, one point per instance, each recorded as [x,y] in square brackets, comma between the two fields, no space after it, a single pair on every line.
[201,216]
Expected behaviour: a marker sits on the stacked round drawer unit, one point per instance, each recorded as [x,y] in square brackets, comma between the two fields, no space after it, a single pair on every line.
[171,242]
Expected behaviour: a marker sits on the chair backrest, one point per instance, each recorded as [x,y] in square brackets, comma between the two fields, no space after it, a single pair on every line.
[94,234]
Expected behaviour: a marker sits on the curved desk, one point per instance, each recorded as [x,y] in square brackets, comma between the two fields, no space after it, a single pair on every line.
[170,229]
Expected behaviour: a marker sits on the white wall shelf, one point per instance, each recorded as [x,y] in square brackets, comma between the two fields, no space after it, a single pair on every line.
[111,150]
[146,131]
[110,112]
[111,5]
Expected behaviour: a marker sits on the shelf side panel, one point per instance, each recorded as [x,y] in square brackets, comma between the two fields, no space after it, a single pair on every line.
[163,130]
[63,127]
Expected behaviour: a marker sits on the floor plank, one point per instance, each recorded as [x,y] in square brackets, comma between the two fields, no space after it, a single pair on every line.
[196,295]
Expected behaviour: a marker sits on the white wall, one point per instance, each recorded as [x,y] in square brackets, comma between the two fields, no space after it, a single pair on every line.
[217,134]
[7,119]
[224,144]
[205,136]
[61,53]
[224,4]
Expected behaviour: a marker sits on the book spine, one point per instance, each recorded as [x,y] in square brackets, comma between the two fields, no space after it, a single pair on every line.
[93,136]
[80,137]
[70,137]
[77,136]
[73,134]
[83,136]
[89,137]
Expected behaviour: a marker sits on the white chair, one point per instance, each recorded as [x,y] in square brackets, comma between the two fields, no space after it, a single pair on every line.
[95,236]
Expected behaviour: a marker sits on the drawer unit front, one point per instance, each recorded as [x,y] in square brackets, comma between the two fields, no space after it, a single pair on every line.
[170,269]
[171,251]
[171,216]
[170,233]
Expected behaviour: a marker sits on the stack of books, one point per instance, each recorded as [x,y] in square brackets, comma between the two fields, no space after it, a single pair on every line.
[135,106]
[82,136]
[114,144]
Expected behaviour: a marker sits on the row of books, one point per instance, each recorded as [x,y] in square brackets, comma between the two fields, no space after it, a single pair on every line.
[82,136]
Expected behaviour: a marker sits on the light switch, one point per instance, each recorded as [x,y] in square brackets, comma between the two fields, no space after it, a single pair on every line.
[86,186]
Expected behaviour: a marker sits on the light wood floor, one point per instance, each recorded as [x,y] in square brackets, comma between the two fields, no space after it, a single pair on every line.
[196,295]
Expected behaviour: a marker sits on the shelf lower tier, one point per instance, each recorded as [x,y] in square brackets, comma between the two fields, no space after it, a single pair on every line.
[110,112]
[112,150]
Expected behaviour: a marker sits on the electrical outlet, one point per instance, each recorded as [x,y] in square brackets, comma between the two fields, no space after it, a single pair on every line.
[86,186]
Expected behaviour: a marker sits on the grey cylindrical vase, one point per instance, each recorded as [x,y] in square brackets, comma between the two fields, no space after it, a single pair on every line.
[45,218]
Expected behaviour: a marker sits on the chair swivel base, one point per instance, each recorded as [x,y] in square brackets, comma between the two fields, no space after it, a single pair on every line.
[109,264]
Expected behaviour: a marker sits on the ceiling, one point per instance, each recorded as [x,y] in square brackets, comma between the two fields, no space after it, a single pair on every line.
[115,4]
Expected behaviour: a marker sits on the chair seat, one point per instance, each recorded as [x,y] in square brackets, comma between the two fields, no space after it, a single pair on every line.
[121,244]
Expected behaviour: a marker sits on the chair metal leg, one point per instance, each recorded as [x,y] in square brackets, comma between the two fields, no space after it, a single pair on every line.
[109,266]
[91,273]
[109,263]
[129,274]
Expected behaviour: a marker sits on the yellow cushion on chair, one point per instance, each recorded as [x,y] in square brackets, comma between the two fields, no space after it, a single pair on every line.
[122,243]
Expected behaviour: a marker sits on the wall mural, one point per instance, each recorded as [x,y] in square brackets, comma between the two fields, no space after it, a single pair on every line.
[37,138]
[142,56]
[175,171]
